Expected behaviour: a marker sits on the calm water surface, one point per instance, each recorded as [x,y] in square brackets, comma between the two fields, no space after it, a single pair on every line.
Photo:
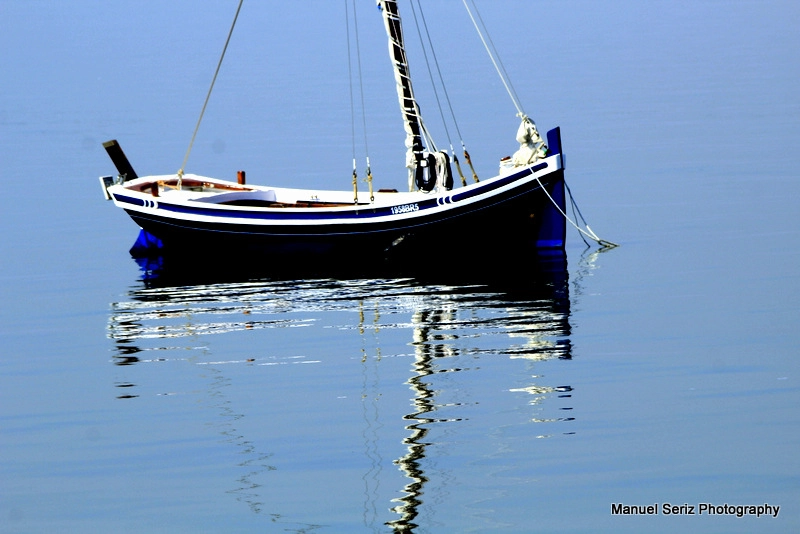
[492,394]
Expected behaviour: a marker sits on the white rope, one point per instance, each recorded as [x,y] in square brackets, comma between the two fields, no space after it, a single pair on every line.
[588,232]
[510,92]
[428,65]
[352,104]
[214,79]
[363,107]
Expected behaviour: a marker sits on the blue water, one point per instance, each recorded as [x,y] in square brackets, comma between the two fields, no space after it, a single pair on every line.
[468,400]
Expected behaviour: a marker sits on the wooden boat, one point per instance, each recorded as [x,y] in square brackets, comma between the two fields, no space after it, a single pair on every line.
[524,201]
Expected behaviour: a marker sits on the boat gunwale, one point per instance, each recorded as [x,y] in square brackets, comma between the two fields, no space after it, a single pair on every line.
[315,228]
[470,193]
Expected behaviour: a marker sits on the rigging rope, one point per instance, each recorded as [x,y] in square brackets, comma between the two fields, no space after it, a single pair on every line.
[352,104]
[428,65]
[214,79]
[501,71]
[492,53]
[446,94]
[363,107]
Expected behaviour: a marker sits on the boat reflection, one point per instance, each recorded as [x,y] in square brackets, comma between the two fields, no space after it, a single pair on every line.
[525,299]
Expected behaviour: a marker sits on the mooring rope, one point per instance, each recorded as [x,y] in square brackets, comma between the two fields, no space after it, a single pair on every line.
[501,71]
[202,111]
[588,232]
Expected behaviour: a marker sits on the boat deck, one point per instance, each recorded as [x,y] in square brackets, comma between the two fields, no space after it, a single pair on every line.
[198,189]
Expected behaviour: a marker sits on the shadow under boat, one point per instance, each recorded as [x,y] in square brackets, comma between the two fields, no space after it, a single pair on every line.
[505,265]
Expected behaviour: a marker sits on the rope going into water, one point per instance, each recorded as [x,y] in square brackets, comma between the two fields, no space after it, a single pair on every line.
[501,71]
[588,232]
[213,80]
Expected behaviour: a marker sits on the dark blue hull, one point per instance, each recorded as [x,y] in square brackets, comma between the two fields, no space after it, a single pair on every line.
[526,216]
[526,207]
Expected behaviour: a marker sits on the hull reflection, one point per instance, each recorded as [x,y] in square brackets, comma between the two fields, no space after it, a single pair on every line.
[524,299]
[517,269]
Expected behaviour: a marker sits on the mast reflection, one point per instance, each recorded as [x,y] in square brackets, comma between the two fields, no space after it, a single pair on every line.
[529,302]
[541,317]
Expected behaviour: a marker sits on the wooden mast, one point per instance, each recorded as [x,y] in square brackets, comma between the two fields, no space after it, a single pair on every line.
[408,104]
